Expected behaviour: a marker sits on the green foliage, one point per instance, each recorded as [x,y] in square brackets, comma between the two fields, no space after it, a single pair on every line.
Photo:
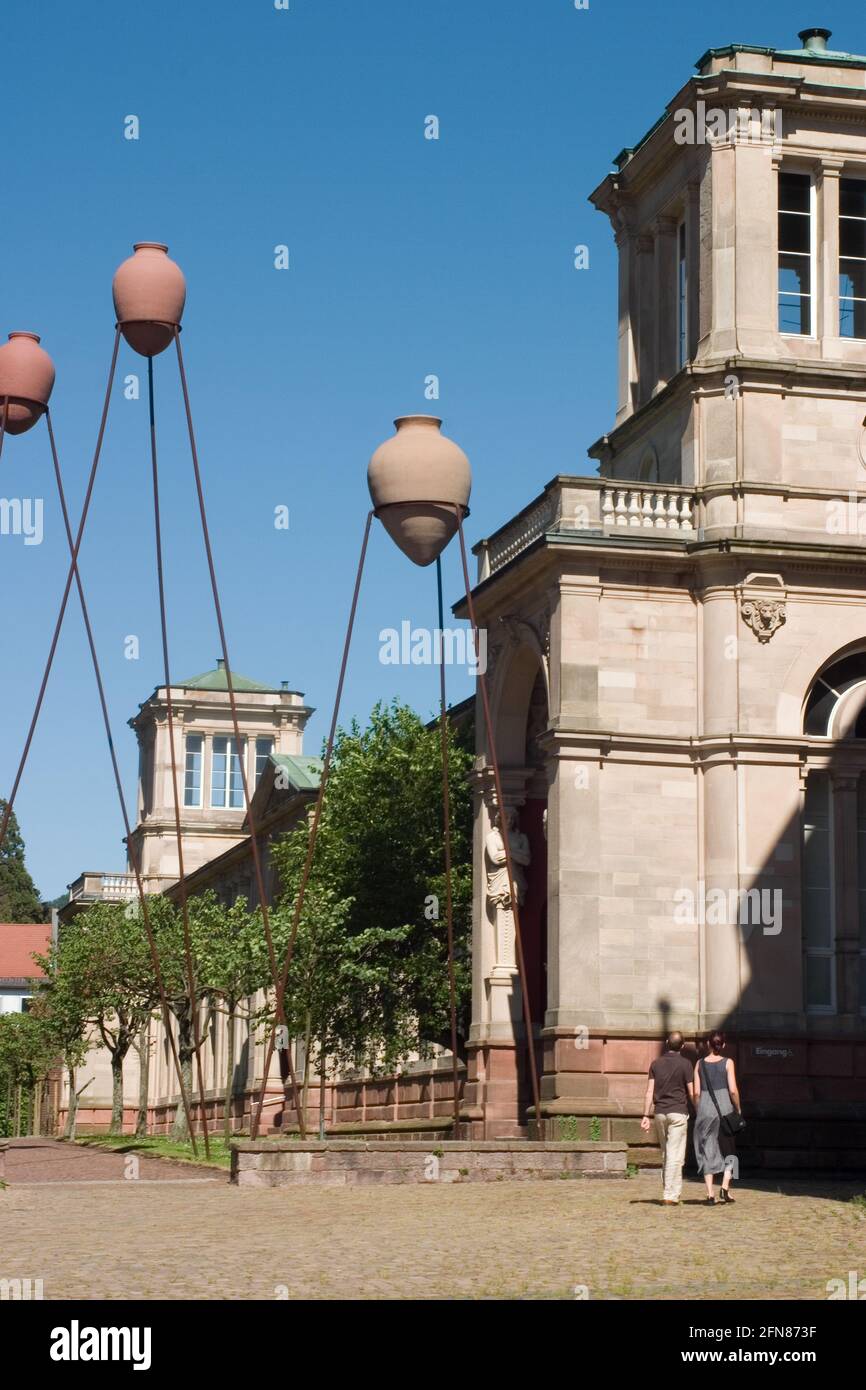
[27,1052]
[595,1130]
[568,1129]
[19,900]
[370,970]
[369,978]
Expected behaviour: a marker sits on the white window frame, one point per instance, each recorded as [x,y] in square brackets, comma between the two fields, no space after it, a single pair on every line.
[229,740]
[264,738]
[813,252]
[193,805]
[856,299]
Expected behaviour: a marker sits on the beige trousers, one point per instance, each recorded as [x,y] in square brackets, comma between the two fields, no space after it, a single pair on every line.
[672,1131]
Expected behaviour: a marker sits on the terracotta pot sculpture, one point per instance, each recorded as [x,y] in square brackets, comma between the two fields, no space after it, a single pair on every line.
[27,377]
[149,295]
[410,477]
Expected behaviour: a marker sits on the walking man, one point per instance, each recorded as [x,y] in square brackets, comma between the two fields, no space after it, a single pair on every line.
[670,1089]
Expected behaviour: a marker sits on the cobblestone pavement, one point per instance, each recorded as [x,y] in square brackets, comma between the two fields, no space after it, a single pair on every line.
[89,1233]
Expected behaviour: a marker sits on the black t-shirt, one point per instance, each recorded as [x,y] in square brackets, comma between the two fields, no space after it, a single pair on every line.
[672,1073]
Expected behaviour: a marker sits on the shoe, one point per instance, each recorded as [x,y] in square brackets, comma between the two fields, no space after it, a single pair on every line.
[670,1201]
[710,1202]
[726,1198]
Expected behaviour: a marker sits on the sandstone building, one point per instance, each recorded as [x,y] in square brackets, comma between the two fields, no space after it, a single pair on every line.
[678,645]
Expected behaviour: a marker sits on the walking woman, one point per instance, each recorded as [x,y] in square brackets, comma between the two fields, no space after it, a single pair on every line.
[716,1097]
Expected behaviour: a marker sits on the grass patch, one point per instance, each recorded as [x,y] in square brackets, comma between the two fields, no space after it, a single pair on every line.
[161,1147]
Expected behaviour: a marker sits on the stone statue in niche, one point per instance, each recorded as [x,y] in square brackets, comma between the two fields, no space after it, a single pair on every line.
[498,886]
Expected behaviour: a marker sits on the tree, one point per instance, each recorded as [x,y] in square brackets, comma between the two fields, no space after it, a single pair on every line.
[101,972]
[372,944]
[232,965]
[64,1010]
[167,926]
[19,900]
[27,1054]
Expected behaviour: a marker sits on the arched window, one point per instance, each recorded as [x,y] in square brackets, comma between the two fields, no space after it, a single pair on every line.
[832,689]
[833,859]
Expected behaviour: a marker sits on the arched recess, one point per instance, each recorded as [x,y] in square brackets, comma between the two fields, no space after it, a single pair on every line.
[649,466]
[517,670]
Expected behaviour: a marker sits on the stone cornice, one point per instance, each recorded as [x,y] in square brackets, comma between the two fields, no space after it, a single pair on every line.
[568,741]
[730,88]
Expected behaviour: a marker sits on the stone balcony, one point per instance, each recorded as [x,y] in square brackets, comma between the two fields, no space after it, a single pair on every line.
[669,512]
[102,888]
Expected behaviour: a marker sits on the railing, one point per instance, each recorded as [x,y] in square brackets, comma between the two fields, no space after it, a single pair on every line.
[111,888]
[118,886]
[653,508]
[540,517]
[595,505]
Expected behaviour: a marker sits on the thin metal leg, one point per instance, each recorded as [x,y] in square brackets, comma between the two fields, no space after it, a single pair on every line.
[286,1062]
[314,829]
[118,781]
[446,812]
[184,905]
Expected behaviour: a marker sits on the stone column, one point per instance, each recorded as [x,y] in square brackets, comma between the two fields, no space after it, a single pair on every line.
[645,247]
[666,294]
[722,337]
[827,288]
[693,267]
[720,624]
[755,266]
[497,1020]
[627,366]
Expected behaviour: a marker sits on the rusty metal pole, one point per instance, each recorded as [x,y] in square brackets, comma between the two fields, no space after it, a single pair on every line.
[118,781]
[446,815]
[317,814]
[184,904]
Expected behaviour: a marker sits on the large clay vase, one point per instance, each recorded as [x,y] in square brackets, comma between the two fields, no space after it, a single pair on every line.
[410,477]
[149,295]
[27,377]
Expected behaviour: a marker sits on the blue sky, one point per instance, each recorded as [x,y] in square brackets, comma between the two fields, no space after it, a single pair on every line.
[409,257]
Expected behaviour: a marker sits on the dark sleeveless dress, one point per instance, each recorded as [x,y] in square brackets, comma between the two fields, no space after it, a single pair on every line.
[712,1147]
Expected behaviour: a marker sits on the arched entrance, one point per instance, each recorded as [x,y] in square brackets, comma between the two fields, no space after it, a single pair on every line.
[520,709]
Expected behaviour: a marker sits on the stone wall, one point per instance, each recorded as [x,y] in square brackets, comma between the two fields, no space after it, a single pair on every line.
[346,1162]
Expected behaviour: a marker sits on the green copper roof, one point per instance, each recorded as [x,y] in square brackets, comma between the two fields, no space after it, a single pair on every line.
[304,773]
[217,680]
[814,50]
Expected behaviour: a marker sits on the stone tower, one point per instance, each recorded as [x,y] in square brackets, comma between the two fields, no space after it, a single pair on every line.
[271,721]
[678,646]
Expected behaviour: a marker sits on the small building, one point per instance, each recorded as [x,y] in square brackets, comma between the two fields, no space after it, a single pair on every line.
[19,942]
[217,853]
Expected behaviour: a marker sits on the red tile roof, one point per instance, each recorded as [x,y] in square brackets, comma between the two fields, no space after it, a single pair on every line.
[18,941]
